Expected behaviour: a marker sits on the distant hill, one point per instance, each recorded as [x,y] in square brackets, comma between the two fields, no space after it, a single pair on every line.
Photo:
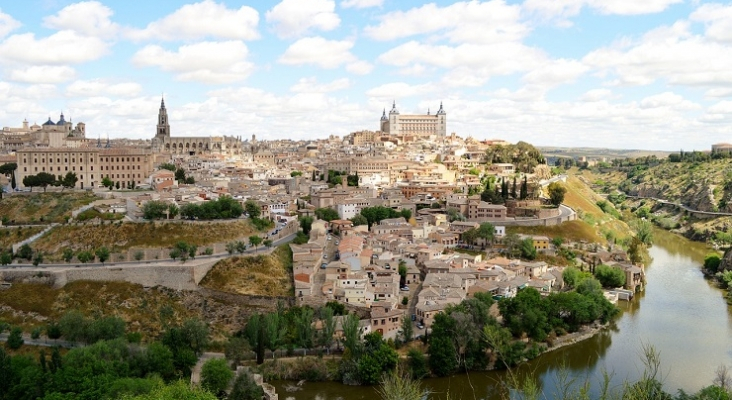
[598,153]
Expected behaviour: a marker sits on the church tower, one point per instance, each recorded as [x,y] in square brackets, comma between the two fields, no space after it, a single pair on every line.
[163,125]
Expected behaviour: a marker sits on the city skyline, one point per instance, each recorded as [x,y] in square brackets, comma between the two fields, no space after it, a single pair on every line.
[618,74]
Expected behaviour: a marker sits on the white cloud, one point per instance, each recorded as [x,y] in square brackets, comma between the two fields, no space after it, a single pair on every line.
[87,18]
[668,99]
[319,51]
[311,85]
[361,3]
[98,87]
[671,53]
[463,22]
[359,67]
[718,21]
[63,47]
[42,74]
[7,24]
[399,90]
[718,92]
[206,19]
[556,72]
[207,62]
[563,9]
[596,95]
[292,18]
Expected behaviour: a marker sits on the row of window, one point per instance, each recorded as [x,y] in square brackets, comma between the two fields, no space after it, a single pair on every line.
[91,160]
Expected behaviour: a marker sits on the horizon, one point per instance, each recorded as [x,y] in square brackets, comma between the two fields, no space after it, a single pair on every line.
[649,76]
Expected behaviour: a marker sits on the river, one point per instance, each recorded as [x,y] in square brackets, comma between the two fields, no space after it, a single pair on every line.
[682,315]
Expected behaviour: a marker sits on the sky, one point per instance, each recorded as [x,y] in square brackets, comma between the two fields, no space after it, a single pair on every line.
[640,74]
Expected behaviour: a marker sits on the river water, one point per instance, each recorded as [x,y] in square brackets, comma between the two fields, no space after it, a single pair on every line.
[682,315]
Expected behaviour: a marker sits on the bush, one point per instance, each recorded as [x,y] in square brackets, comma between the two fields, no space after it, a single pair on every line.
[712,262]
[15,340]
[216,375]
[610,276]
[245,388]
[36,333]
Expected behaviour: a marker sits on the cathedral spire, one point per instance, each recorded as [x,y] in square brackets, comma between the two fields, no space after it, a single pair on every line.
[162,102]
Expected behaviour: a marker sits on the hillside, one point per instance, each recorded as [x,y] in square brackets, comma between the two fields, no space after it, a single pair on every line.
[120,236]
[42,207]
[10,236]
[261,275]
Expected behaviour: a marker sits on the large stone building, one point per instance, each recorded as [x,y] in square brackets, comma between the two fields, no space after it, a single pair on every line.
[91,164]
[51,134]
[164,143]
[414,125]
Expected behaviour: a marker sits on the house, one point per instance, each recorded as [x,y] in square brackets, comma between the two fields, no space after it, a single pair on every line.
[386,320]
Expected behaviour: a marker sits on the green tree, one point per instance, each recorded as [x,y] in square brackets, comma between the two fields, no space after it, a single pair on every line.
[326,214]
[70,180]
[102,254]
[236,349]
[402,272]
[378,357]
[711,262]
[170,167]
[351,333]
[25,251]
[255,241]
[15,339]
[405,213]
[107,183]
[252,209]
[295,173]
[644,231]
[9,169]
[85,256]
[231,247]
[524,193]
[400,386]
[268,243]
[173,210]
[527,249]
[359,219]
[610,277]
[38,258]
[216,375]
[179,390]
[6,258]
[325,338]
[556,193]
[180,174]
[155,209]
[53,331]
[117,185]
[417,363]
[245,388]
[68,254]
[486,231]
[306,224]
[407,330]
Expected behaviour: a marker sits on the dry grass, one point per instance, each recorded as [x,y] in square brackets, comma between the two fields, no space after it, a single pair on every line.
[264,275]
[52,207]
[121,236]
[572,230]
[10,236]
[32,304]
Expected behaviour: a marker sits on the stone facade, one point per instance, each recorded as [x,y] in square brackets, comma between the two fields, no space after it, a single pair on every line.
[416,125]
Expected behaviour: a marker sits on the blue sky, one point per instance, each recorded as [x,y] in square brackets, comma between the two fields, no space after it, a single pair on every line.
[650,74]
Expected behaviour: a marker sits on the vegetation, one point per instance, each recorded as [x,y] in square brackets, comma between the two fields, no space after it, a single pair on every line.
[556,193]
[374,215]
[522,155]
[128,235]
[266,275]
[53,207]
[223,208]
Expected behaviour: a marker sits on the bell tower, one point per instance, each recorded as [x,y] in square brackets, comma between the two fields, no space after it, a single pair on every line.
[163,130]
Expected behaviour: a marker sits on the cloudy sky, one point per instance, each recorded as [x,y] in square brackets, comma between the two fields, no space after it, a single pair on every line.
[648,74]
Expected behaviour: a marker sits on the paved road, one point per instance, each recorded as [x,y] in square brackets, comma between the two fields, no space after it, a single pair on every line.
[681,206]
[42,341]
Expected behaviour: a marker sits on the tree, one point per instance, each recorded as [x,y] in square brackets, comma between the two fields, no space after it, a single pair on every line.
[711,262]
[85,256]
[180,174]
[486,231]
[102,254]
[241,247]
[231,247]
[15,340]
[53,331]
[524,193]
[245,388]
[351,333]
[38,258]
[235,349]
[173,210]
[326,214]
[401,386]
[610,277]
[68,254]
[255,241]
[402,272]
[405,213]
[25,251]
[407,330]
[267,243]
[328,330]
[527,249]
[296,173]
[170,167]
[117,185]
[216,375]
[9,169]
[107,183]
[306,224]
[43,179]
[359,219]
[154,209]
[556,193]
[70,180]
[252,208]
[6,258]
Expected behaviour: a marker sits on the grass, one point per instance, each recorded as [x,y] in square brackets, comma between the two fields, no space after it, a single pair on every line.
[32,304]
[121,236]
[264,275]
[93,213]
[43,207]
[10,236]
[572,230]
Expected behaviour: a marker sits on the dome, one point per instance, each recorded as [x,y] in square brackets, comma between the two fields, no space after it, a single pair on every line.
[61,121]
[49,122]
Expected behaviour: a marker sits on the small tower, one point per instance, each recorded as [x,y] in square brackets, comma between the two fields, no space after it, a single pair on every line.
[394,120]
[441,122]
[163,129]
